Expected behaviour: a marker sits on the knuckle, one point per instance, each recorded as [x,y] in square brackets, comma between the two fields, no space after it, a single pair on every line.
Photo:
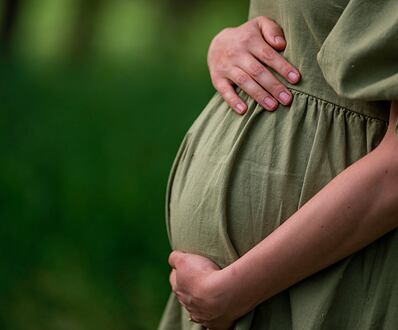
[223,90]
[245,39]
[256,69]
[223,31]
[259,95]
[222,66]
[231,101]
[227,30]
[229,52]
[220,84]
[219,87]
[284,69]
[276,88]
[282,66]
[242,78]
[263,19]
[228,97]
[220,34]
[267,54]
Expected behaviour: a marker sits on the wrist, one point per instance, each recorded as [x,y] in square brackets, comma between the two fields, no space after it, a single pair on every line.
[233,281]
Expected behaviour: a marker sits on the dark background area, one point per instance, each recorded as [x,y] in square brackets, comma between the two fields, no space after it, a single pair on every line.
[95,97]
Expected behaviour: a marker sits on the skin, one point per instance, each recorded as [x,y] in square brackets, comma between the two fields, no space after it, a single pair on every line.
[335,223]
[243,55]
[338,221]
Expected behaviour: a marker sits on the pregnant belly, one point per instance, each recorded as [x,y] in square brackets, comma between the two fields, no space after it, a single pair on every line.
[236,179]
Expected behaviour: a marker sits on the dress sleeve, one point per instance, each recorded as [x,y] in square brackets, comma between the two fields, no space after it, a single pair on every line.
[359,57]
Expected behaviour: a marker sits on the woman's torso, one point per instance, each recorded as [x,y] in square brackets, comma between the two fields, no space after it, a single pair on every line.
[236,178]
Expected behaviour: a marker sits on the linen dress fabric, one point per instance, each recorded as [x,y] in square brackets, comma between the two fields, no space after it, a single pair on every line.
[237,178]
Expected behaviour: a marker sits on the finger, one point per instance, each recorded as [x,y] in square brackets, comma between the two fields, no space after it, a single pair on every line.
[195,319]
[174,258]
[183,301]
[272,32]
[267,55]
[183,298]
[187,307]
[173,279]
[224,87]
[266,79]
[246,83]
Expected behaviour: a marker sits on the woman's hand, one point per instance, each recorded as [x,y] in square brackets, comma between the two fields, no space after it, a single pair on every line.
[241,56]
[198,285]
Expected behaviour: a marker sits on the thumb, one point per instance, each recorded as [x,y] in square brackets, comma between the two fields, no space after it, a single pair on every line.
[272,33]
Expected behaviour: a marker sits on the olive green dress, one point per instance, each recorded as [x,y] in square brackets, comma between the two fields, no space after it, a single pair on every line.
[237,178]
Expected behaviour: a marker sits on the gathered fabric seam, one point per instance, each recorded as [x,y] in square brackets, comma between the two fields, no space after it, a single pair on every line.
[339,107]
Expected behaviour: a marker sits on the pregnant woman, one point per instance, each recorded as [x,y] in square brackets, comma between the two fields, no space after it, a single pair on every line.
[287,219]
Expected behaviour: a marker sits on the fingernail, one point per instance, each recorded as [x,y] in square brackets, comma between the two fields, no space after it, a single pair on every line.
[269,103]
[240,108]
[293,76]
[284,97]
[279,40]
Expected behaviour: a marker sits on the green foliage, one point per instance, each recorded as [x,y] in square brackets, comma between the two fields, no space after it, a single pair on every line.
[86,147]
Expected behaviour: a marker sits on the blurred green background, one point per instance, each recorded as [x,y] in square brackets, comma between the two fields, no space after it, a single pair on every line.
[95,97]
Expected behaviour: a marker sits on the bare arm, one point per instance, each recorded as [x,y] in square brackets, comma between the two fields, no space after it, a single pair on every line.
[353,210]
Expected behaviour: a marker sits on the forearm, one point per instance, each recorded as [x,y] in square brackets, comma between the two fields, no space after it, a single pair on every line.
[353,210]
